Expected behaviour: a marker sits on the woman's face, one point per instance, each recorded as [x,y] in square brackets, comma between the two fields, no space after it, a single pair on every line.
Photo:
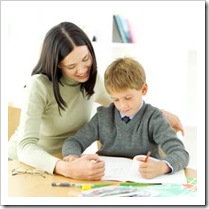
[77,64]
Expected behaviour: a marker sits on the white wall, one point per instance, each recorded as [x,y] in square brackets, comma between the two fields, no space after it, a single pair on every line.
[169,44]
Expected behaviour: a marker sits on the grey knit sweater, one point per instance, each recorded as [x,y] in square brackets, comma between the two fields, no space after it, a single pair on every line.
[147,131]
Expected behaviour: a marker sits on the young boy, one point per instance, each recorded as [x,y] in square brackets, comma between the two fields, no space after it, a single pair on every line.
[144,130]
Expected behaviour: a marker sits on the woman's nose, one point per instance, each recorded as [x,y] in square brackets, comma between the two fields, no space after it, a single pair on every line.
[80,69]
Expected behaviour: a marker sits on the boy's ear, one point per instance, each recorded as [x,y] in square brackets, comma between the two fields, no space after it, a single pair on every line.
[144,89]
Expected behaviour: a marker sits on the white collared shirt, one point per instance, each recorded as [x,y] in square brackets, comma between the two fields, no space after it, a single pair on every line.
[131,117]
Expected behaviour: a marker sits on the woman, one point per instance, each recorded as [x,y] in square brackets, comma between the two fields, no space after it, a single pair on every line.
[59,98]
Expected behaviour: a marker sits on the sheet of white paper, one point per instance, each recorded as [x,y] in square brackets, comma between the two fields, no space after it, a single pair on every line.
[116,168]
[124,169]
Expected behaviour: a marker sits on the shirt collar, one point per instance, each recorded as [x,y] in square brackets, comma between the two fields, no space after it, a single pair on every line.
[68,81]
[122,115]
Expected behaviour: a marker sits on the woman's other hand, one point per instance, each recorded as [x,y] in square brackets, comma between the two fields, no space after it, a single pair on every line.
[174,121]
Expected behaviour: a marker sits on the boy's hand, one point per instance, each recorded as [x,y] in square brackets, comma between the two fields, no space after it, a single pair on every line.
[152,168]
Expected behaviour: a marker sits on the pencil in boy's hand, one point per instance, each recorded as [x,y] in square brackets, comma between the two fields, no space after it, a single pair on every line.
[147,157]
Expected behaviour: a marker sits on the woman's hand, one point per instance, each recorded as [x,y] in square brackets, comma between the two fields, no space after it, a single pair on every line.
[174,121]
[152,168]
[70,158]
[87,167]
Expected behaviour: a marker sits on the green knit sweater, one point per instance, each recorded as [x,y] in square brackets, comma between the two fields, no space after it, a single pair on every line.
[42,129]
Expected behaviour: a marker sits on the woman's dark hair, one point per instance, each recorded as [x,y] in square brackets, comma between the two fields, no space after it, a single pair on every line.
[58,43]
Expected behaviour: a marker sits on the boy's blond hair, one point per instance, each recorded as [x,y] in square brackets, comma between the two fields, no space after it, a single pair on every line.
[124,73]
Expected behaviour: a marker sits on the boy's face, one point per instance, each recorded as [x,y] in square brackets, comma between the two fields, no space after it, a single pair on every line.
[129,101]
